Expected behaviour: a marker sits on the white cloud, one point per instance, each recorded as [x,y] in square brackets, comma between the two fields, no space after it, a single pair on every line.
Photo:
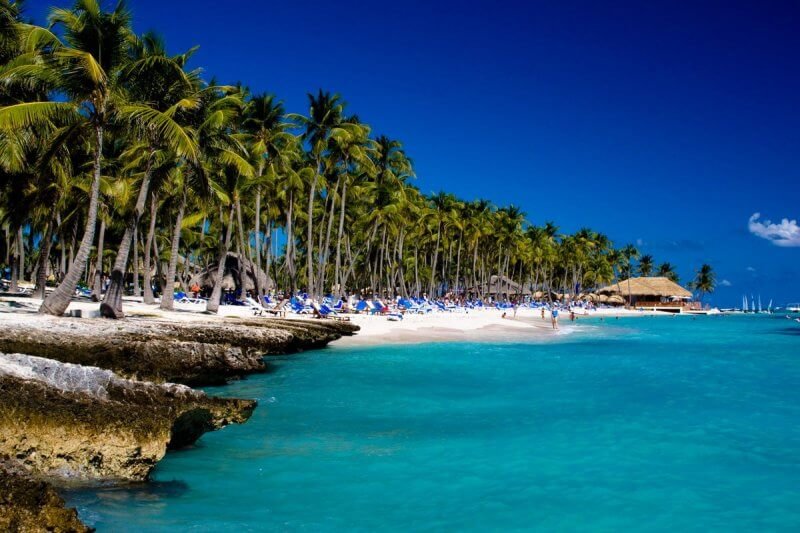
[751,269]
[786,234]
[640,242]
[725,283]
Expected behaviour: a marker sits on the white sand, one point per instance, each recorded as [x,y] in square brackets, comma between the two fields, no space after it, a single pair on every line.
[474,325]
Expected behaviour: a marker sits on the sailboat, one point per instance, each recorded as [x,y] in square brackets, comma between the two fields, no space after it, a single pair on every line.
[744,303]
[759,305]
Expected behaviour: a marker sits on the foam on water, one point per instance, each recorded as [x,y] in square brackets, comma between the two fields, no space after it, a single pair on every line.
[646,424]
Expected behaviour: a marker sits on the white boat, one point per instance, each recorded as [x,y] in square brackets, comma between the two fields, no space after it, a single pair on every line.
[712,311]
[793,308]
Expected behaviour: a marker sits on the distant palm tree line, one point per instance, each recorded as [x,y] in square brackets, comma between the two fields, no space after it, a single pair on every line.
[115,158]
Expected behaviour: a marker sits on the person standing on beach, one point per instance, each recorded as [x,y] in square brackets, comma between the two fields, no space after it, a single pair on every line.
[554,318]
[542,312]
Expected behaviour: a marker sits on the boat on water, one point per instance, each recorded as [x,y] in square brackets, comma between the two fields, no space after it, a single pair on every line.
[793,308]
[710,311]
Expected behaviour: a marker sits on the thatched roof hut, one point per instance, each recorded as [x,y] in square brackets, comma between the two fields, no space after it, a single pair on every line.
[646,290]
[658,287]
[205,278]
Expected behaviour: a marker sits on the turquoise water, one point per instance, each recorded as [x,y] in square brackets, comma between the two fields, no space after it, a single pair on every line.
[648,424]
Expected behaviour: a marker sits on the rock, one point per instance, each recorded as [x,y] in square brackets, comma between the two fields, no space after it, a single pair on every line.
[195,353]
[66,421]
[31,505]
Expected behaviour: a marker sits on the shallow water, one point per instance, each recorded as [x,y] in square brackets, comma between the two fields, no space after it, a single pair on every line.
[647,423]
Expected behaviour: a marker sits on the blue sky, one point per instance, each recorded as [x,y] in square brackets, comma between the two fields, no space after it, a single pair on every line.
[663,124]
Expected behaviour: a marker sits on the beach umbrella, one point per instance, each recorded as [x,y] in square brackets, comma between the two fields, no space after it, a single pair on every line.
[616,299]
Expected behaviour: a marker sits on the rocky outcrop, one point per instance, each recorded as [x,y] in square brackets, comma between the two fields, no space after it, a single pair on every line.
[66,421]
[195,353]
[31,505]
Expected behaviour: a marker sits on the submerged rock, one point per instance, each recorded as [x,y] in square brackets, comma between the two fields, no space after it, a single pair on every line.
[196,353]
[67,421]
[28,504]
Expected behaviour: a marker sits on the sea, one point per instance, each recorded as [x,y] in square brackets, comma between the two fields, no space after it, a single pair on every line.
[636,424]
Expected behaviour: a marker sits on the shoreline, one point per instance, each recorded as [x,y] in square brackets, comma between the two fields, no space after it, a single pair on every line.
[481,325]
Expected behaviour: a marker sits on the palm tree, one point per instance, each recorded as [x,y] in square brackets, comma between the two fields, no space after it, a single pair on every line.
[629,253]
[326,112]
[666,270]
[646,265]
[272,145]
[153,77]
[704,281]
[86,71]
[225,160]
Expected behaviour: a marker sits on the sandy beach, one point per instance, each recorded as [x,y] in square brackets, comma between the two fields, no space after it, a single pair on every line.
[475,325]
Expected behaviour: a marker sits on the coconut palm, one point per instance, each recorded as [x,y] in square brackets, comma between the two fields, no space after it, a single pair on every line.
[646,265]
[705,281]
[273,146]
[159,80]
[629,253]
[85,69]
[326,112]
[666,270]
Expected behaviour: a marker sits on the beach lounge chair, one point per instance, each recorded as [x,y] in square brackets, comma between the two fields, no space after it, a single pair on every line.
[299,307]
[323,311]
[278,309]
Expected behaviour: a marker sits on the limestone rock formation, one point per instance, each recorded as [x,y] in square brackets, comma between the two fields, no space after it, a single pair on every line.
[195,353]
[66,421]
[31,505]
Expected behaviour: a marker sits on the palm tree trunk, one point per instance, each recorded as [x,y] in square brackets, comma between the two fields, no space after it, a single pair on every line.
[268,256]
[58,301]
[148,246]
[21,246]
[7,231]
[167,298]
[15,260]
[44,261]
[310,232]
[290,266]
[97,286]
[325,250]
[112,303]
[259,290]
[336,275]
[137,291]
[435,259]
[458,261]
[244,262]
[212,305]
